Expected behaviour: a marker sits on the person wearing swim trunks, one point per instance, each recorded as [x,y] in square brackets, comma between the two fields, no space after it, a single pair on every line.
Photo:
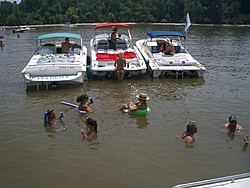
[51,114]
[191,130]
[170,48]
[232,126]
[83,99]
[119,64]
[92,125]
[113,39]
[141,104]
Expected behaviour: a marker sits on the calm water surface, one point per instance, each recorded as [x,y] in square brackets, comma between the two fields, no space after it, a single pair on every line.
[129,151]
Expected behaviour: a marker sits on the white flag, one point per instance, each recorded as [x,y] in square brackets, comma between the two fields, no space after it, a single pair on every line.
[188,22]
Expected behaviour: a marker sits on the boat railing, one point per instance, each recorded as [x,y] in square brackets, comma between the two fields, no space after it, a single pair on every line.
[216,180]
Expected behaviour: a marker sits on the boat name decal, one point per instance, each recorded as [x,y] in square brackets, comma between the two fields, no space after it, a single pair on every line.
[56,58]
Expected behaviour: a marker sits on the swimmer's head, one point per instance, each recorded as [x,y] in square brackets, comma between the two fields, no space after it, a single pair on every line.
[92,123]
[142,96]
[80,98]
[191,125]
[232,118]
[49,111]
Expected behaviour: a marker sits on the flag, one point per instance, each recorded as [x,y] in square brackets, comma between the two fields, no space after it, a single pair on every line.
[188,22]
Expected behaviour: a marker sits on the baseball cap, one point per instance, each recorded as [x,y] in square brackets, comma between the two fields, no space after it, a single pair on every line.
[232,118]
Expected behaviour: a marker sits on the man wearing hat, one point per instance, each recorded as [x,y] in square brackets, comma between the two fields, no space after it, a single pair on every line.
[113,39]
[191,130]
[170,48]
[232,126]
[141,104]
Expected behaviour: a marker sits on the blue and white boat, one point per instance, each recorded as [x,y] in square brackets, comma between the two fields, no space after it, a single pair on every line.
[235,181]
[178,65]
[49,66]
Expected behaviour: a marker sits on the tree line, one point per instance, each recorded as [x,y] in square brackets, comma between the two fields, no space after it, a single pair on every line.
[29,12]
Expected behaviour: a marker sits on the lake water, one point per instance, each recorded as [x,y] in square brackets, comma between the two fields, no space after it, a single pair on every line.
[128,151]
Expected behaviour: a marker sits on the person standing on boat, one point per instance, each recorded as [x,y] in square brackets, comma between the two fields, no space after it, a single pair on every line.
[66,45]
[191,130]
[141,104]
[92,125]
[83,106]
[232,126]
[119,64]
[170,48]
[113,39]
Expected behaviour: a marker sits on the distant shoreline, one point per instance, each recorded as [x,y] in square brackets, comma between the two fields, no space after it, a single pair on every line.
[133,23]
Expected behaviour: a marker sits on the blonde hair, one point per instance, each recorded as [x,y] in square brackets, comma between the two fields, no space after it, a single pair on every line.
[121,54]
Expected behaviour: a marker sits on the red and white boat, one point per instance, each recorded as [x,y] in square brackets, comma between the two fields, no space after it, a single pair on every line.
[102,58]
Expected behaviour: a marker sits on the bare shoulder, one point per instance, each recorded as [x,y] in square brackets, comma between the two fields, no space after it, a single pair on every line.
[225,125]
[239,128]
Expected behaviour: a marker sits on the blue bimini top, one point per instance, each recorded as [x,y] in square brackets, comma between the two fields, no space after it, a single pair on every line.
[164,33]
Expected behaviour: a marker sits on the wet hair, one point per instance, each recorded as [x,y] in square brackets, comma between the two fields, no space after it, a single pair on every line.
[80,98]
[92,122]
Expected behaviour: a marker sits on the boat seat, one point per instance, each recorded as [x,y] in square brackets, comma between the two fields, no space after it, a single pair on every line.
[177,49]
[121,43]
[102,44]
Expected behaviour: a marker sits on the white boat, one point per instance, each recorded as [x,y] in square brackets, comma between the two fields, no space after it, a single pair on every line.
[102,58]
[235,181]
[21,29]
[67,24]
[178,65]
[49,66]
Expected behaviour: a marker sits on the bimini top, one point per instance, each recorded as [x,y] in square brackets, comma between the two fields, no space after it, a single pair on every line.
[113,24]
[54,35]
[164,33]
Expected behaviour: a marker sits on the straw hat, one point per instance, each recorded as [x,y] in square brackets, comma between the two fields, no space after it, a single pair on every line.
[142,96]
[114,29]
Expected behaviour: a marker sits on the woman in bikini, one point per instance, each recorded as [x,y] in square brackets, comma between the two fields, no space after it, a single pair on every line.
[191,130]
[141,104]
[92,125]
[120,63]
[83,99]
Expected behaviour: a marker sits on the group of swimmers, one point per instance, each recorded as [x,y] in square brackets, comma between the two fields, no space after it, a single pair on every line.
[231,126]
[141,104]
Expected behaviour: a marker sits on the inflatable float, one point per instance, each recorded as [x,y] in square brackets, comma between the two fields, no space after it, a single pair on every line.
[139,112]
[73,105]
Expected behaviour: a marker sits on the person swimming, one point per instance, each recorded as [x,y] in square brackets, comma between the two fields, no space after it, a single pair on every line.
[191,130]
[83,99]
[51,121]
[92,125]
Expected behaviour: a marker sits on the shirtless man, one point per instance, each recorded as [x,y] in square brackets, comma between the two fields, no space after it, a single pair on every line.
[232,126]
[120,63]
[113,39]
[170,48]
[66,45]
